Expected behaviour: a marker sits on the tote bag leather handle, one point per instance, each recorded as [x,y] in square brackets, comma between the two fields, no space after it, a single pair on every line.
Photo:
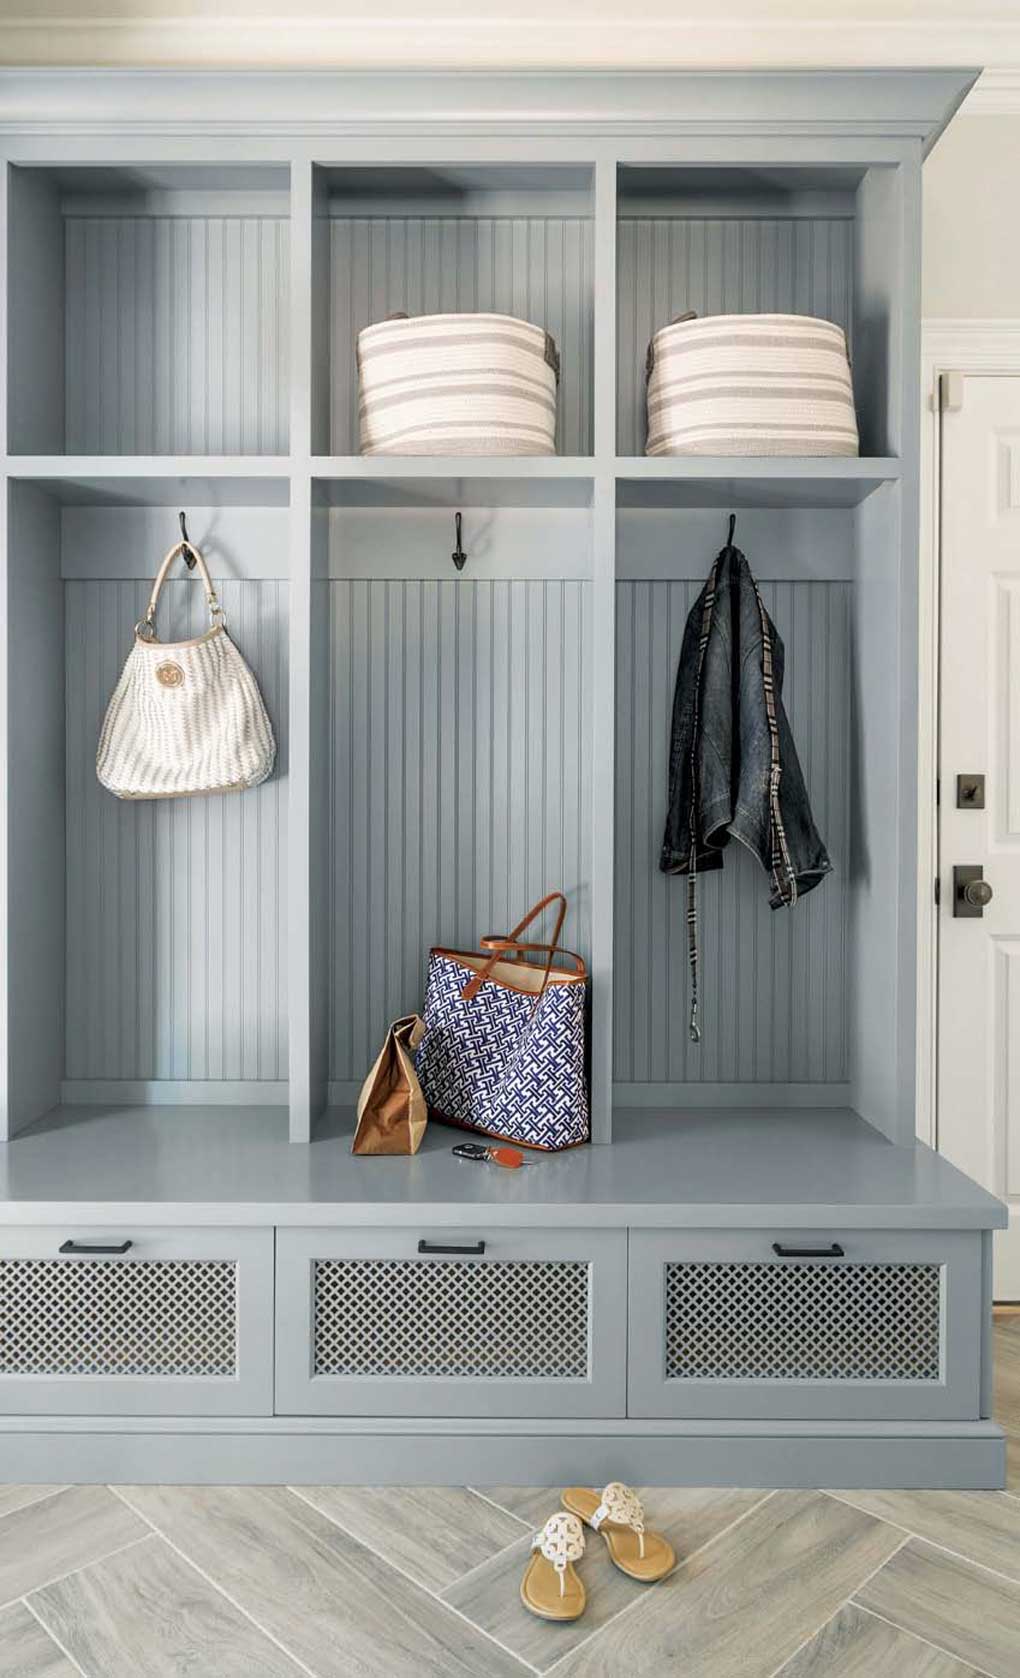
[501,947]
[147,627]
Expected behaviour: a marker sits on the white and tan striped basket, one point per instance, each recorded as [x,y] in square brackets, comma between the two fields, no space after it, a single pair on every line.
[457,384]
[750,385]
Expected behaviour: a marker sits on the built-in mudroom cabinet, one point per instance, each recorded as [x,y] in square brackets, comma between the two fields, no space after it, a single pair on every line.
[755,1274]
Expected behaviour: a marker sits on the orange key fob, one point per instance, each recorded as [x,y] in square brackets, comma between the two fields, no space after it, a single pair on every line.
[510,1157]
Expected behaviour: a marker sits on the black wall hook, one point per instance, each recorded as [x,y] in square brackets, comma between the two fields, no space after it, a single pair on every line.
[458,555]
[733,526]
[189,558]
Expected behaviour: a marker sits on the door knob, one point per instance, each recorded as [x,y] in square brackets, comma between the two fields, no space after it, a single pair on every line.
[971,891]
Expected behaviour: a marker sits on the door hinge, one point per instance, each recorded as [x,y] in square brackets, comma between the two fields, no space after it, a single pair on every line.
[938,891]
[950,392]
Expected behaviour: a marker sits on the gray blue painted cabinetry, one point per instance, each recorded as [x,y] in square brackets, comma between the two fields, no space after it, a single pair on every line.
[455,1322]
[190,993]
[136,1321]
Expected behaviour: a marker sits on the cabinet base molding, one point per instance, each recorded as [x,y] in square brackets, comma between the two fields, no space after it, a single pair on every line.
[279,1450]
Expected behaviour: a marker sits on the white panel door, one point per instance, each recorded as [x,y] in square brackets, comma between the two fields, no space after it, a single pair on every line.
[979,956]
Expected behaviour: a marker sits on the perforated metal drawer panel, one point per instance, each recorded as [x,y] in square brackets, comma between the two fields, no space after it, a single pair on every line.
[502,1319]
[158,1317]
[803,1322]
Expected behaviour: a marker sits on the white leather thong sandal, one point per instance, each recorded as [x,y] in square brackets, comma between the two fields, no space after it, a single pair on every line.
[617,1514]
[551,1587]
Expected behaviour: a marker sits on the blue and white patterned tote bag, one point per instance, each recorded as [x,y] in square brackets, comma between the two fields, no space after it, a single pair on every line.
[503,1051]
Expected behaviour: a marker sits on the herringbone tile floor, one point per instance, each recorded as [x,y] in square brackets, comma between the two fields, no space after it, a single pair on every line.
[248,1582]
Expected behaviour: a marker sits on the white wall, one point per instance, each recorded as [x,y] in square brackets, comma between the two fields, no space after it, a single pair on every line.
[972,221]
[613,34]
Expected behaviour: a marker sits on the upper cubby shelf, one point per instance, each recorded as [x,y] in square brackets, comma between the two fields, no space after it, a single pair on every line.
[451,239]
[442,480]
[807,240]
[154,481]
[149,310]
[716,481]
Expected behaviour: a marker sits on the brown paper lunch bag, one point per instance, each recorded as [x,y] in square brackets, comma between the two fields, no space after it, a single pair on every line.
[392,1113]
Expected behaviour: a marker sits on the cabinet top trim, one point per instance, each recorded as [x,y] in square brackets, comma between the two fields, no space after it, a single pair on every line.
[903,104]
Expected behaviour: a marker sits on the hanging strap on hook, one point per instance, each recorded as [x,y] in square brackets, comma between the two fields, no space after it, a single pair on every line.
[733,526]
[189,557]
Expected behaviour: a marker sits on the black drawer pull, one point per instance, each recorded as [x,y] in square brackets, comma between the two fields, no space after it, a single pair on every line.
[437,1247]
[835,1251]
[88,1251]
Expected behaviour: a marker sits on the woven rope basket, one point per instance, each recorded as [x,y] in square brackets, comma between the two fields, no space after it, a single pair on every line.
[457,384]
[750,385]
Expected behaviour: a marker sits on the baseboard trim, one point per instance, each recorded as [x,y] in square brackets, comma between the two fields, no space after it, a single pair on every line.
[173,1092]
[280,1450]
[731,1095]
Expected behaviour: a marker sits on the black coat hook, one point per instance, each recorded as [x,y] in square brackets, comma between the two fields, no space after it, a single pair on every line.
[733,526]
[458,555]
[189,558]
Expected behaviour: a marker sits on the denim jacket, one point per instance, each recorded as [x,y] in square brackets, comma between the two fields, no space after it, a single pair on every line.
[733,766]
[729,770]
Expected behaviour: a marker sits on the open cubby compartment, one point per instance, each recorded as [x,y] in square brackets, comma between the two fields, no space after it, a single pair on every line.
[451,238]
[149,309]
[815,239]
[146,939]
[455,733]
[809,1007]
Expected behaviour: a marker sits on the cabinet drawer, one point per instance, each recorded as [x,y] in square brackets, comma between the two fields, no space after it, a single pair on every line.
[721,1325]
[464,1322]
[123,1321]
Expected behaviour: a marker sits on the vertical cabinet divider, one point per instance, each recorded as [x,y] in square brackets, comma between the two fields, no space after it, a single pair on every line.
[603,651]
[307,837]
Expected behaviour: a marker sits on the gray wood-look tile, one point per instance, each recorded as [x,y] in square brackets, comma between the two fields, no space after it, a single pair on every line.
[855,1644]
[145,1611]
[331,1602]
[57,1534]
[26,1651]
[491,1594]
[433,1533]
[17,1497]
[970,1613]
[983,1526]
[1007,1393]
[745,1604]
[531,1504]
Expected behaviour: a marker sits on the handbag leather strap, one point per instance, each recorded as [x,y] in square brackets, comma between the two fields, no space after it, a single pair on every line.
[510,946]
[148,623]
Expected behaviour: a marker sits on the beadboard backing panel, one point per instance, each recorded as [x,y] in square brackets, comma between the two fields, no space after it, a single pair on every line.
[176,334]
[461,787]
[536,267]
[774,992]
[175,908]
[668,264]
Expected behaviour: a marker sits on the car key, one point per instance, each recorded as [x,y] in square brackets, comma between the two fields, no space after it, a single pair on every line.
[510,1158]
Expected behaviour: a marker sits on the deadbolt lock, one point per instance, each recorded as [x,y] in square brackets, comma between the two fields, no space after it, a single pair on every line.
[970,792]
[971,891]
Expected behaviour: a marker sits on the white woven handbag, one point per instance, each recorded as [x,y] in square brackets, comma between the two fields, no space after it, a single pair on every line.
[186,717]
[457,384]
[750,385]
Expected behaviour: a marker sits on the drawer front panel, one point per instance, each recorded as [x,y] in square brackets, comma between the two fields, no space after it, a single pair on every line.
[723,1326]
[803,1322]
[368,1323]
[122,1322]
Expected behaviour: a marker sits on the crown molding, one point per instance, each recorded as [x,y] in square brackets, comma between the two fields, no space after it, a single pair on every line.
[996,94]
[39,106]
[726,41]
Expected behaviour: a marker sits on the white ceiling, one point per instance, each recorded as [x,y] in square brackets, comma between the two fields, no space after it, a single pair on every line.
[654,34]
